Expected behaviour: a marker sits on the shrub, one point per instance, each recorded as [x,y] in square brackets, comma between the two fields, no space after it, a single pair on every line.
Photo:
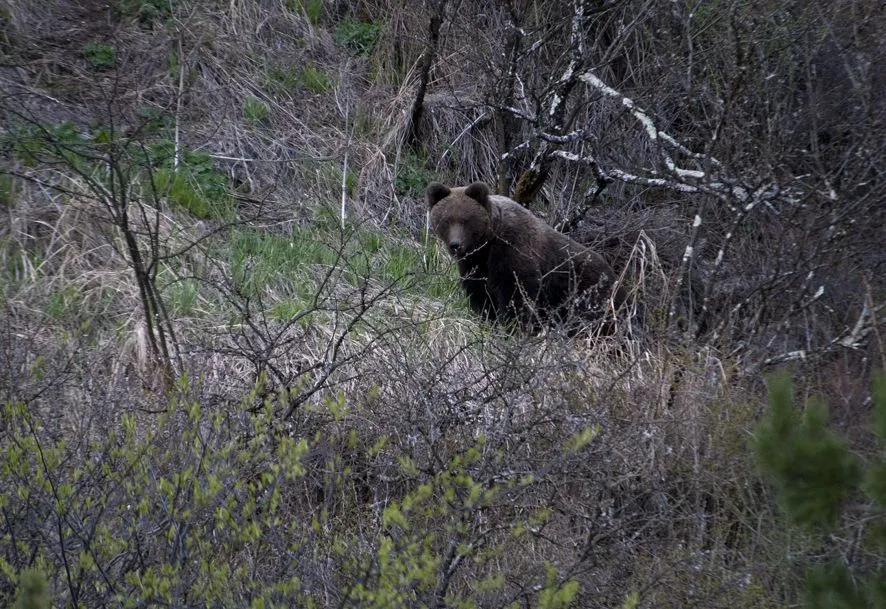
[33,592]
[817,477]
[174,516]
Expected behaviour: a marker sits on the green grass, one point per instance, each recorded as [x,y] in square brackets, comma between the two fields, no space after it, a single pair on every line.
[38,143]
[427,269]
[262,260]
[146,11]
[14,265]
[441,279]
[358,36]
[195,185]
[328,177]
[399,261]
[280,80]
[183,296]
[412,175]
[7,191]
[313,9]
[286,269]
[101,56]
[364,123]
[184,189]
[283,80]
[255,111]
[64,303]
[154,119]
[315,79]
[293,309]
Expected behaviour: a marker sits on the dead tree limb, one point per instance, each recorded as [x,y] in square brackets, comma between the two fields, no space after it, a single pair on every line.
[426,63]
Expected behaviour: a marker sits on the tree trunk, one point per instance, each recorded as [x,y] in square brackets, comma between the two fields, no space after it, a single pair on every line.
[413,135]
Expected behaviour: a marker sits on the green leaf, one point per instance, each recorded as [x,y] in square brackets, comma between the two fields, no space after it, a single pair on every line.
[811,466]
[879,399]
[832,587]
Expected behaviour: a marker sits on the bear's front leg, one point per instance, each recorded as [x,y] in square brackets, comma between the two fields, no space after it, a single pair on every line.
[479,299]
[514,300]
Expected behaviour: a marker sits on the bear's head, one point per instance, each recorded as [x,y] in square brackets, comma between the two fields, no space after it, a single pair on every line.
[460,217]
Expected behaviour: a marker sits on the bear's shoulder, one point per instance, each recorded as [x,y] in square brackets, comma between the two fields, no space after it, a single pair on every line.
[514,222]
[508,206]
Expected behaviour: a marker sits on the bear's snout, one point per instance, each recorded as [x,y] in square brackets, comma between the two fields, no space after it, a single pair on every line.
[455,240]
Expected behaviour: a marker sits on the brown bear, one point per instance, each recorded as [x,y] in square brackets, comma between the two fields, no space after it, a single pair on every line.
[514,266]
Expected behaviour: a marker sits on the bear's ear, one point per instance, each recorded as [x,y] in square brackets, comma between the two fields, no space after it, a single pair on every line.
[435,192]
[479,192]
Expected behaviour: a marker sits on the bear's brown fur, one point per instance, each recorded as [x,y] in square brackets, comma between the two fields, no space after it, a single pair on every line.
[513,265]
